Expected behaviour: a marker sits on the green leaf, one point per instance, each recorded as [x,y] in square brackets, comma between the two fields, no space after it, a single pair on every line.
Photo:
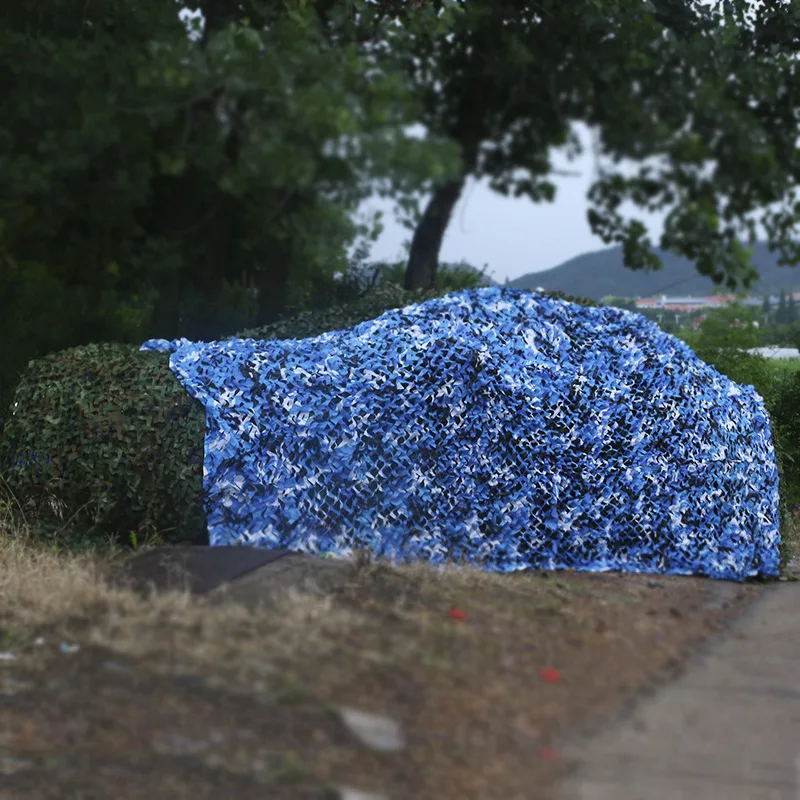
[172,164]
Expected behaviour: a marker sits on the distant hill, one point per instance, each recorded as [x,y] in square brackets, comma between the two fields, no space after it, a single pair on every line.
[601,273]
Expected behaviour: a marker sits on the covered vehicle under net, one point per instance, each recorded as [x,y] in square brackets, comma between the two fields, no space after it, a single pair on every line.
[494,426]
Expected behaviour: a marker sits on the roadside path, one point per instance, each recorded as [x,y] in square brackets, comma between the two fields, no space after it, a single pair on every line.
[727,729]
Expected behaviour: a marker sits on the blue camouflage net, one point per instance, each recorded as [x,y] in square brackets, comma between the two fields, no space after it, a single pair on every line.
[495,426]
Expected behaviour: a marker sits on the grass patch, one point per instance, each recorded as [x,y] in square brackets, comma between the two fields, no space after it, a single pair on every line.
[780,367]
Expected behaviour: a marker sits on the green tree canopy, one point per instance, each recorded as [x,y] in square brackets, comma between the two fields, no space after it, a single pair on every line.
[782,315]
[162,184]
[695,86]
[728,327]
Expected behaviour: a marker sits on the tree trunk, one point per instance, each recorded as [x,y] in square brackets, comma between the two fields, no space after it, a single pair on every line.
[273,285]
[223,257]
[426,243]
[272,281]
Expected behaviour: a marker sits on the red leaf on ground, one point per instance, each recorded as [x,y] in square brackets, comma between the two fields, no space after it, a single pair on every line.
[550,675]
[549,754]
[456,614]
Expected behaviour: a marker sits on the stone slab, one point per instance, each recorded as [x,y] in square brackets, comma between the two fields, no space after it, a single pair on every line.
[727,729]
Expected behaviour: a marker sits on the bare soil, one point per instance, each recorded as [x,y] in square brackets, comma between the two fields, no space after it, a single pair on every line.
[110,695]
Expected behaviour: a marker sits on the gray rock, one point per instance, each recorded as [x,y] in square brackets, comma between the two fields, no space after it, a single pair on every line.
[354,794]
[304,573]
[374,730]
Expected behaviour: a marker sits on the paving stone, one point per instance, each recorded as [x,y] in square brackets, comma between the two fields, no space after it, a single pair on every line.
[727,729]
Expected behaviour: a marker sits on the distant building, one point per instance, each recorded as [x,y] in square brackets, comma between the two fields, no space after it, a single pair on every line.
[701,303]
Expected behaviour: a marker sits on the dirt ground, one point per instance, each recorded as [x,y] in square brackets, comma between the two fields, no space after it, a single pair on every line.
[108,695]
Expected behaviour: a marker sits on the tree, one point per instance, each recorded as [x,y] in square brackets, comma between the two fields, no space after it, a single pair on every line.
[791,311]
[508,77]
[625,303]
[150,177]
[461,275]
[200,171]
[766,306]
[409,163]
[782,317]
[731,326]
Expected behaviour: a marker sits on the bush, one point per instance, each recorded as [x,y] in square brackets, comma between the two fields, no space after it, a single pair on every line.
[746,368]
[315,322]
[41,313]
[785,419]
[111,433]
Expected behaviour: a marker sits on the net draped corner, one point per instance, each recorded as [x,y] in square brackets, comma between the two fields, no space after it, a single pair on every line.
[494,426]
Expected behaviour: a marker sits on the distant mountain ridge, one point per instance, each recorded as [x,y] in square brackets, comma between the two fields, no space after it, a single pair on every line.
[602,272]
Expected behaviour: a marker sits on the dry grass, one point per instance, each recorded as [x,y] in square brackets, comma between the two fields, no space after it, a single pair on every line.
[47,588]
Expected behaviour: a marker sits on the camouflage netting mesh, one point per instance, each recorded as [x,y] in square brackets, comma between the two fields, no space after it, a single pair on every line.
[498,426]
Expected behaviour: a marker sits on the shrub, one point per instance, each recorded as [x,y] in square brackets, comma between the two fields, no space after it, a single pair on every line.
[110,432]
[785,418]
[780,390]
[748,369]
[338,317]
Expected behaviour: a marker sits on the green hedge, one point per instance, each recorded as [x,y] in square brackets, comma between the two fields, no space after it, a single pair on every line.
[784,407]
[111,433]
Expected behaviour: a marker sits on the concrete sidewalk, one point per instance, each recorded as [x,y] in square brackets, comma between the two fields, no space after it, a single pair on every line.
[727,729]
